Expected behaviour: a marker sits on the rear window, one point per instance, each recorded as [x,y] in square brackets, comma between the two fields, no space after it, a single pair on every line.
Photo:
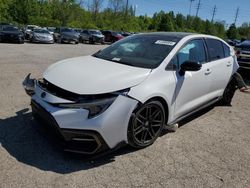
[215,49]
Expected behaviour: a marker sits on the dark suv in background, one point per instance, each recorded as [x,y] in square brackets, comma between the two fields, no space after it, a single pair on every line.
[112,36]
[243,54]
[11,33]
[92,36]
[66,35]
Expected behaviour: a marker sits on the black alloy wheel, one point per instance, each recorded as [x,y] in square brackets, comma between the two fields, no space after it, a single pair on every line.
[146,124]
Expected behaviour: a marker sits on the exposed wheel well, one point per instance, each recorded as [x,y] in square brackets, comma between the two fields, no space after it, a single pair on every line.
[165,105]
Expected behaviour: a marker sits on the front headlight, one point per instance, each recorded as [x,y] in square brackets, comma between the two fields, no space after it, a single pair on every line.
[95,104]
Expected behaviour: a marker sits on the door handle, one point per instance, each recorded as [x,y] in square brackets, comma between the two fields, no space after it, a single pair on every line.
[229,64]
[208,71]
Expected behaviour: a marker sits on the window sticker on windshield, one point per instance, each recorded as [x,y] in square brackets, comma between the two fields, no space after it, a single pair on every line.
[164,42]
[116,59]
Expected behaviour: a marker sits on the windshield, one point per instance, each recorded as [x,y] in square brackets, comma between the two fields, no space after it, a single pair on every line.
[95,32]
[42,31]
[146,51]
[51,29]
[10,29]
[67,30]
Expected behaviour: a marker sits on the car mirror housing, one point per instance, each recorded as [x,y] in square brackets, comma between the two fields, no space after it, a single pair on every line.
[190,66]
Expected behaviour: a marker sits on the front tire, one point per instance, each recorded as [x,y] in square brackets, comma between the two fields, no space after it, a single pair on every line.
[146,124]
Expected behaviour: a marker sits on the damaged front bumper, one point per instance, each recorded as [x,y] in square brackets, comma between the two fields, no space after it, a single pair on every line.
[29,85]
[86,135]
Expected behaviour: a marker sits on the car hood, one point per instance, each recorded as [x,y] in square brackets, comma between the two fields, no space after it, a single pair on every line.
[91,75]
[43,35]
[245,44]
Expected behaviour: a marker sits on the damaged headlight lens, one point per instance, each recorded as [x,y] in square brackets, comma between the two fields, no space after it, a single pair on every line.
[95,104]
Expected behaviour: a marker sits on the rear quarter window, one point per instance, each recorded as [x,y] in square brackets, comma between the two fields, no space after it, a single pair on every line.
[215,49]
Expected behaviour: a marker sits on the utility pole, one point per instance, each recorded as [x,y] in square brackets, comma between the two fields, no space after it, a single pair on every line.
[214,12]
[190,6]
[126,10]
[236,15]
[198,8]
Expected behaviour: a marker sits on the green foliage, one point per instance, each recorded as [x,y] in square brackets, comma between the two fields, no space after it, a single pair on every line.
[232,32]
[114,17]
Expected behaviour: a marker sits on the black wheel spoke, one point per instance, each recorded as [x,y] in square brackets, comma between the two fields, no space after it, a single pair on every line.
[155,114]
[139,120]
[156,125]
[138,130]
[144,136]
[151,133]
[156,121]
[141,117]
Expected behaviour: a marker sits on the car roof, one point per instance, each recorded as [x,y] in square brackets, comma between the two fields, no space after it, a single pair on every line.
[179,35]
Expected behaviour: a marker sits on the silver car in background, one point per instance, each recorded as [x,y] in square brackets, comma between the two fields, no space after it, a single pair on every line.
[40,35]
[91,36]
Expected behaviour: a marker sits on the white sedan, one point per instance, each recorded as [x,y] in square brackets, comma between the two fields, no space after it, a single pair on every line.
[130,91]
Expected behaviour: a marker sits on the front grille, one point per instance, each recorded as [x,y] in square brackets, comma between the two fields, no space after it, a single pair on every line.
[57,91]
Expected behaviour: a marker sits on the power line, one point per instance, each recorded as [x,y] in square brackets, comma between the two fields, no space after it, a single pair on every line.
[214,12]
[190,7]
[198,8]
[236,15]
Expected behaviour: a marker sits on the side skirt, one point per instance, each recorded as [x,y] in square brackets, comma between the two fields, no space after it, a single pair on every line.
[194,111]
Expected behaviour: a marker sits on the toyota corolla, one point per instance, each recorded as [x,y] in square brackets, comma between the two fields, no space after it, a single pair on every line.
[130,91]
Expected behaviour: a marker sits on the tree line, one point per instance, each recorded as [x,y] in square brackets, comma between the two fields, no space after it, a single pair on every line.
[118,15]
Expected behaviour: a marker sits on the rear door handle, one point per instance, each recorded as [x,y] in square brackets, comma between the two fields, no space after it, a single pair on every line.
[208,71]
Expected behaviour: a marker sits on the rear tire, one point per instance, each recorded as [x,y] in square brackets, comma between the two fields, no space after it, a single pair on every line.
[229,93]
[146,124]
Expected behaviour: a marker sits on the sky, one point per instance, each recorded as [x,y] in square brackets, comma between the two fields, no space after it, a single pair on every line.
[226,9]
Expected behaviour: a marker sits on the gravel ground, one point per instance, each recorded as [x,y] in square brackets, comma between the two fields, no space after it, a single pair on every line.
[210,149]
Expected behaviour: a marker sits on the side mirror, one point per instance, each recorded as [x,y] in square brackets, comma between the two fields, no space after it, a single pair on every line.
[189,66]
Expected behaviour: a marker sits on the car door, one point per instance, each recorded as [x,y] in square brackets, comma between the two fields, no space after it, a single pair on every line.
[221,63]
[191,88]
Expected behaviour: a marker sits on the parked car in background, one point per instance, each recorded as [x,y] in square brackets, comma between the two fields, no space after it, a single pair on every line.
[51,30]
[130,91]
[92,36]
[243,54]
[28,29]
[125,34]
[112,36]
[40,35]
[78,31]
[233,42]
[66,35]
[10,33]
[2,24]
